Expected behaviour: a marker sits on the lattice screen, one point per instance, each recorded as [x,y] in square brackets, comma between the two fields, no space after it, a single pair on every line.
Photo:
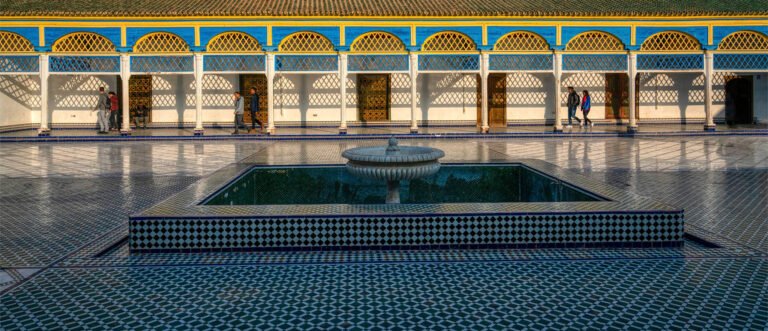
[377,42]
[11,42]
[161,42]
[521,41]
[594,41]
[83,42]
[744,41]
[448,42]
[233,42]
[670,41]
[305,42]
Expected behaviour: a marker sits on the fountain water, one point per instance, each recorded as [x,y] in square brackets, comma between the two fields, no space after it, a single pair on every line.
[393,163]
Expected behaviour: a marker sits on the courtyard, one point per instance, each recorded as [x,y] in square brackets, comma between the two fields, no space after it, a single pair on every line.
[65,262]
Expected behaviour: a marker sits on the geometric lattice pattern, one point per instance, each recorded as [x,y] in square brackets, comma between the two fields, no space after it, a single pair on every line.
[19,63]
[670,41]
[306,63]
[521,41]
[305,42]
[161,42]
[233,42]
[744,41]
[740,61]
[594,62]
[176,234]
[594,41]
[377,63]
[83,42]
[233,63]
[662,62]
[448,42]
[11,43]
[445,62]
[85,64]
[157,64]
[377,42]
[520,62]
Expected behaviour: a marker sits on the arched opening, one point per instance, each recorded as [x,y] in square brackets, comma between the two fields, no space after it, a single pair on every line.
[670,41]
[744,41]
[448,41]
[523,41]
[233,42]
[305,42]
[594,41]
[14,43]
[83,42]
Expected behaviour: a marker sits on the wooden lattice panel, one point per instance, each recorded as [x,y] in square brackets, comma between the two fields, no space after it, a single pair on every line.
[744,41]
[448,42]
[521,41]
[377,42]
[12,43]
[670,41]
[83,42]
[594,41]
[233,42]
[161,42]
[305,42]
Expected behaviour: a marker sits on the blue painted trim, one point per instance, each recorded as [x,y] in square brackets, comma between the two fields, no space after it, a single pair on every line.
[301,63]
[621,32]
[208,33]
[84,64]
[32,34]
[670,62]
[549,33]
[473,32]
[134,34]
[280,32]
[720,32]
[383,62]
[402,33]
[701,33]
[516,62]
[19,63]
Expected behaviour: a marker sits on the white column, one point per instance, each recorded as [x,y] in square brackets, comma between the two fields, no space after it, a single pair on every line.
[632,73]
[709,68]
[557,72]
[199,130]
[44,130]
[484,91]
[125,76]
[270,93]
[343,82]
[414,74]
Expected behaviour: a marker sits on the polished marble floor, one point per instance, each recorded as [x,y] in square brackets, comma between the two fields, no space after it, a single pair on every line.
[64,264]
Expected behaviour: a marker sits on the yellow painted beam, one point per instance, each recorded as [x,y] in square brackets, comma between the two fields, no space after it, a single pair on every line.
[197,35]
[269,35]
[342,36]
[413,34]
[41,37]
[123,36]
[633,35]
[485,34]
[710,35]
[559,34]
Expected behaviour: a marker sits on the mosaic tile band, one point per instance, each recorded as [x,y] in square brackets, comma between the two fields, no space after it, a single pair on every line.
[361,232]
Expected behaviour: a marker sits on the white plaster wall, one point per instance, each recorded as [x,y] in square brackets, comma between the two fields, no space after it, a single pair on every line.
[400,97]
[173,99]
[673,96]
[307,98]
[529,96]
[447,97]
[218,102]
[19,98]
[73,97]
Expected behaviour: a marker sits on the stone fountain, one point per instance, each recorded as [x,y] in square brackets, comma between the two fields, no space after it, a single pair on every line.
[393,163]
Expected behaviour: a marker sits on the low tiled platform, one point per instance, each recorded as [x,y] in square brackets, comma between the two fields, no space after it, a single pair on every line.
[183,223]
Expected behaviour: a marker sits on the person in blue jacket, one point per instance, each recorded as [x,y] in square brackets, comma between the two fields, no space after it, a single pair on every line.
[586,105]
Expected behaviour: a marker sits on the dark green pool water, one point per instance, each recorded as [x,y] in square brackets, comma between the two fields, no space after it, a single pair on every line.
[452,184]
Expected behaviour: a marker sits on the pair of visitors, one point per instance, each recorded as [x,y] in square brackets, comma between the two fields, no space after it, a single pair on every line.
[140,115]
[573,103]
[102,108]
[240,111]
[114,108]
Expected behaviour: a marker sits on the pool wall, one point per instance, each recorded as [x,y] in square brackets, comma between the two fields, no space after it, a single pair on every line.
[182,224]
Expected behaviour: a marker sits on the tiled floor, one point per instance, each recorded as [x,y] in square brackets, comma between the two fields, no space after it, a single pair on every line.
[63,211]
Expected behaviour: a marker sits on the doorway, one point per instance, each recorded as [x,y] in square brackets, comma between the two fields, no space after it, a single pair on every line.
[373,97]
[739,100]
[139,94]
[497,100]
[616,96]
[259,82]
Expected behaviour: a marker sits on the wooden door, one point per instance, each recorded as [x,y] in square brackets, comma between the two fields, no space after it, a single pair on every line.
[259,82]
[616,96]
[497,100]
[140,93]
[373,97]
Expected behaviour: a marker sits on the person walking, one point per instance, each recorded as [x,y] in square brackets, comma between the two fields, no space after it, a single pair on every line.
[255,111]
[140,116]
[239,111]
[102,109]
[586,105]
[573,104]
[114,108]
